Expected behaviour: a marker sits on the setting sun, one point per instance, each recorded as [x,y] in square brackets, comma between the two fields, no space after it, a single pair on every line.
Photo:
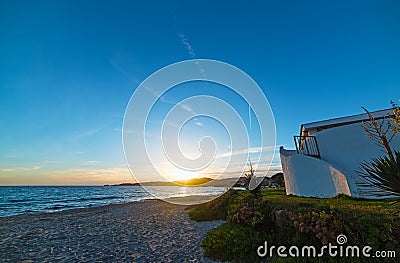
[182,175]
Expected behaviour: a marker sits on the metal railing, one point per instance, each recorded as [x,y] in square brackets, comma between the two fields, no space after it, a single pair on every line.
[307,145]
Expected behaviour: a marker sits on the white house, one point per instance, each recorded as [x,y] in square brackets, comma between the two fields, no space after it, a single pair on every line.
[328,156]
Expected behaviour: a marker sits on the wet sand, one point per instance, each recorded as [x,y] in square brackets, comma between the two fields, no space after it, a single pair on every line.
[150,231]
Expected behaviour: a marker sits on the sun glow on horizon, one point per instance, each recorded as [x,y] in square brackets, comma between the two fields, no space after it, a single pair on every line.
[182,175]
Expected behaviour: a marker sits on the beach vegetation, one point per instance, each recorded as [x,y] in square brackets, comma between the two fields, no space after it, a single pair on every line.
[289,220]
[384,174]
[381,176]
[250,178]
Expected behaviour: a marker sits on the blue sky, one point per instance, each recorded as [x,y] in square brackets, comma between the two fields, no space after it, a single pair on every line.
[69,68]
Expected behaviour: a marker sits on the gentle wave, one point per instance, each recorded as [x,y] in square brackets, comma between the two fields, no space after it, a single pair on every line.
[97,198]
[16,200]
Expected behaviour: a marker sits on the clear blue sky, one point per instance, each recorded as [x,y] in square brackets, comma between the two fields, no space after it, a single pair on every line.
[68,69]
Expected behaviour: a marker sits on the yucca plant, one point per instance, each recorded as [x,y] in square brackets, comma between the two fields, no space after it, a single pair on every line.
[383,174]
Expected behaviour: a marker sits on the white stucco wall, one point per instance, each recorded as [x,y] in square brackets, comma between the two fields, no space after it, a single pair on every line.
[345,147]
[308,176]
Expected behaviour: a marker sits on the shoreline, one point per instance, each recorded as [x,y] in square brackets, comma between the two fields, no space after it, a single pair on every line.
[54,206]
[185,201]
[33,200]
[148,230]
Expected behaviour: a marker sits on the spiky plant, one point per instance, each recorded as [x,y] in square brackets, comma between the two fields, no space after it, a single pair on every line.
[384,174]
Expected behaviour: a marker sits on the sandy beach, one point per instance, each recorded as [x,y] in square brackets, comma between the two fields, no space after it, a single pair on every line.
[150,231]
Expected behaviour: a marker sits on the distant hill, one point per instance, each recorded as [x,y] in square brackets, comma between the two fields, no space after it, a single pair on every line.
[205,181]
[267,181]
[277,178]
[194,181]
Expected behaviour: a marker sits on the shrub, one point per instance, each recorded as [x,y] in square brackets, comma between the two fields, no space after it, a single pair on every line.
[216,209]
[285,220]
[384,174]
[232,242]
[252,210]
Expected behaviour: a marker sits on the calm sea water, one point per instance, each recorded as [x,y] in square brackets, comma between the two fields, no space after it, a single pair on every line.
[15,200]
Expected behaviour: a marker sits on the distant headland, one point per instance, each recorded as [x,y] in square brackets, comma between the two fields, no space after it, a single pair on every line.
[205,181]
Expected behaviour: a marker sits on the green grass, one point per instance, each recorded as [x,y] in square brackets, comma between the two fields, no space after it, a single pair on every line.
[289,220]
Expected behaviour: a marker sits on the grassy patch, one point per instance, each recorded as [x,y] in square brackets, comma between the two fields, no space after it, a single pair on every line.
[288,220]
[215,209]
[231,242]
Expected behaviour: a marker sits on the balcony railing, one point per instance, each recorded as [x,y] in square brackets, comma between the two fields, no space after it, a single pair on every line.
[307,145]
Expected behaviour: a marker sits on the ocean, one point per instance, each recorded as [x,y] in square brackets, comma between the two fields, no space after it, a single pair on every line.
[17,200]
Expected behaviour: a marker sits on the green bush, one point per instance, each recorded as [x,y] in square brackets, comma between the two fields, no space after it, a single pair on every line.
[232,242]
[287,220]
[251,210]
[216,209]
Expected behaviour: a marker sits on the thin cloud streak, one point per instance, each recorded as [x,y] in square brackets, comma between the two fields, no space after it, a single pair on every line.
[87,133]
[199,124]
[187,108]
[165,100]
[17,169]
[74,176]
[187,45]
[91,162]
[238,171]
[247,151]
[192,54]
